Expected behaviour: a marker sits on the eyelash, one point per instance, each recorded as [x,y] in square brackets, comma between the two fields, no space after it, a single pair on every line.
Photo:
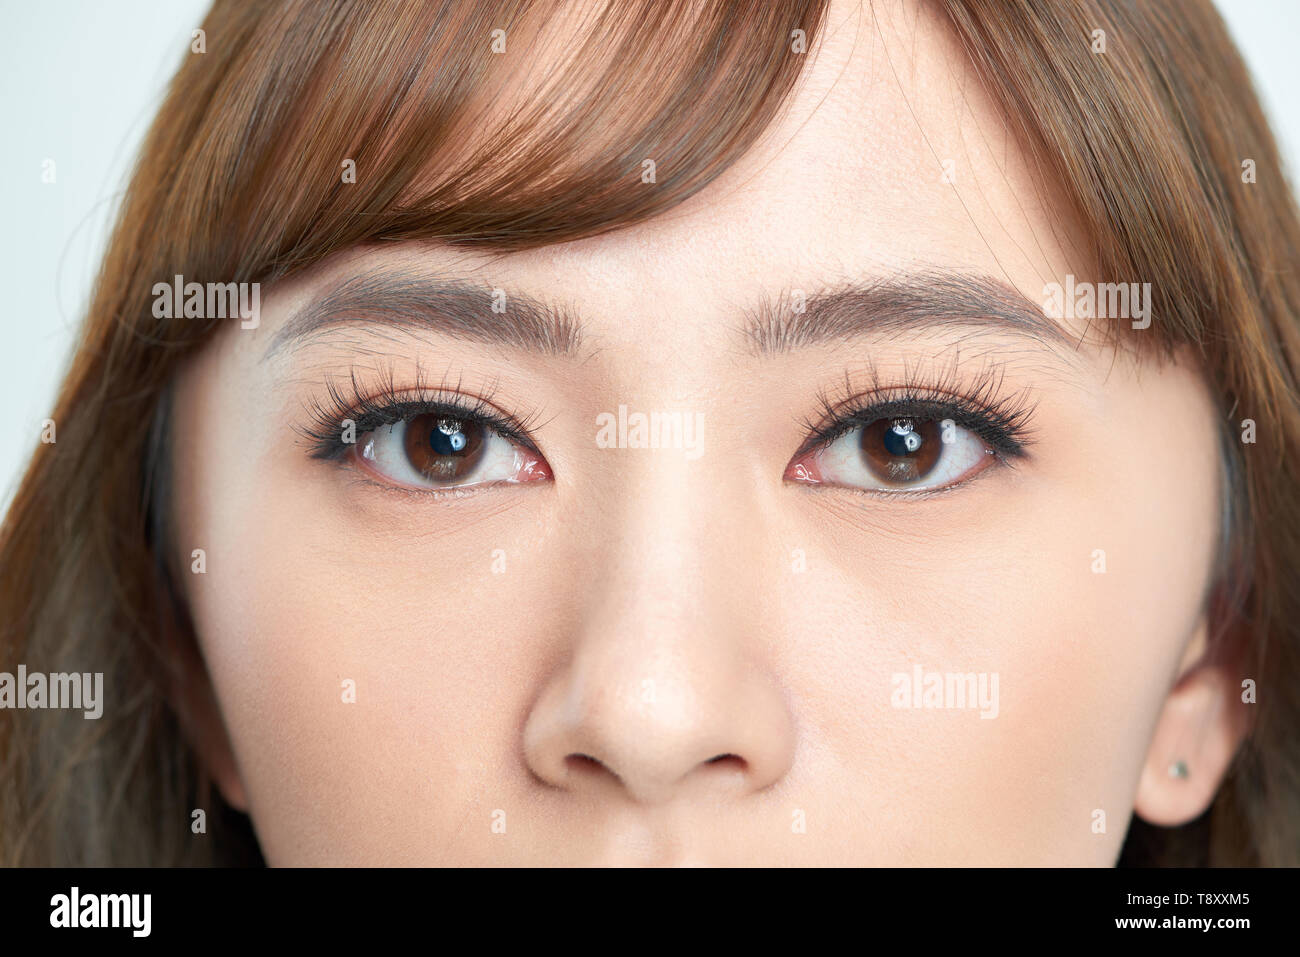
[982,408]
[387,404]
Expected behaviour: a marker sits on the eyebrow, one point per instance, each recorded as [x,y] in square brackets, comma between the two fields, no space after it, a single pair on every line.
[452,308]
[895,305]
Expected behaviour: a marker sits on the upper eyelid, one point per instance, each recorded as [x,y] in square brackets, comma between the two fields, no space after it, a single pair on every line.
[474,410]
[382,403]
[325,433]
[360,386]
[859,407]
[842,416]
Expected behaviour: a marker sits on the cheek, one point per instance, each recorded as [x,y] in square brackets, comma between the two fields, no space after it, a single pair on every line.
[347,661]
[1075,584]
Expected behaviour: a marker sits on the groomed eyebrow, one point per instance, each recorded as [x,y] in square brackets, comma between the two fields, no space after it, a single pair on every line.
[896,305]
[879,308]
[448,307]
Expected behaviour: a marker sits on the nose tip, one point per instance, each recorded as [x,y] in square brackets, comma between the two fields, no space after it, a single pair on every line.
[651,752]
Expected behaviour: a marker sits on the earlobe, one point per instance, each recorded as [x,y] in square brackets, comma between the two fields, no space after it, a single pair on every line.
[1200,729]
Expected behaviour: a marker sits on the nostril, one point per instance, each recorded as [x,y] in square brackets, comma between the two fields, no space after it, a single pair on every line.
[731,762]
[583,764]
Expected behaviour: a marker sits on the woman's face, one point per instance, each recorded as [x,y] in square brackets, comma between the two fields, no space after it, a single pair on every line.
[443,643]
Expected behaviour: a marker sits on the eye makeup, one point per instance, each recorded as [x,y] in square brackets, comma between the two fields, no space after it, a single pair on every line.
[980,405]
[371,407]
[917,436]
[912,430]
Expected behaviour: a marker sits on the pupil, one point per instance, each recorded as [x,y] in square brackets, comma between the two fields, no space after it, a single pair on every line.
[446,438]
[901,440]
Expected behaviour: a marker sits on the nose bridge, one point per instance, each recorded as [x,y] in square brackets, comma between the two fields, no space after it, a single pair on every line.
[677,573]
[664,688]
[662,553]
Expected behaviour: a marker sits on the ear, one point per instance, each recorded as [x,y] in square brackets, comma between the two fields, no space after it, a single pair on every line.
[1200,728]
[195,702]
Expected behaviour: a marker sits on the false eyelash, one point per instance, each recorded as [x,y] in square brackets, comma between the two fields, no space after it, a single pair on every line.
[385,403]
[981,407]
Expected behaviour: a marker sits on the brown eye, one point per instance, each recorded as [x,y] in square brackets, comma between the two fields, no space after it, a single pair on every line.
[901,451]
[442,449]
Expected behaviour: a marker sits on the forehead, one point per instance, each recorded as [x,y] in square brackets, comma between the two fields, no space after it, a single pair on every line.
[889,157]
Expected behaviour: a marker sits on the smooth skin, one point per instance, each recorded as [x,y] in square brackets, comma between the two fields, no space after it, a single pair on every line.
[655,658]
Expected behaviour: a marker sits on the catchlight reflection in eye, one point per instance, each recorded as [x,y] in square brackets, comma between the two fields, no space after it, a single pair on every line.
[896,454]
[434,450]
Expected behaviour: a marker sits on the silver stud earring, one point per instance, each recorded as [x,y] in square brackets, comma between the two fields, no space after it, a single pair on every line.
[1178,770]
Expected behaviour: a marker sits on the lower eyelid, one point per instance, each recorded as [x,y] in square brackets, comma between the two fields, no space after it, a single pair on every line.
[903,494]
[364,480]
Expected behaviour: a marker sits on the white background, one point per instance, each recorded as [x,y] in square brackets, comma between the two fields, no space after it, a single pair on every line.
[81,80]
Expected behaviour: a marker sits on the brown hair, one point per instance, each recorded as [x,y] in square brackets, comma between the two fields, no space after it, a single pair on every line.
[239,181]
[1149,141]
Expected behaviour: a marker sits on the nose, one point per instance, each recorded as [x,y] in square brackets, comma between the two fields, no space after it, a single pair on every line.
[666,693]
[653,727]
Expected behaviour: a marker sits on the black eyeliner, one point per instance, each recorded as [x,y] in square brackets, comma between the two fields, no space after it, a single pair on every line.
[387,404]
[981,408]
